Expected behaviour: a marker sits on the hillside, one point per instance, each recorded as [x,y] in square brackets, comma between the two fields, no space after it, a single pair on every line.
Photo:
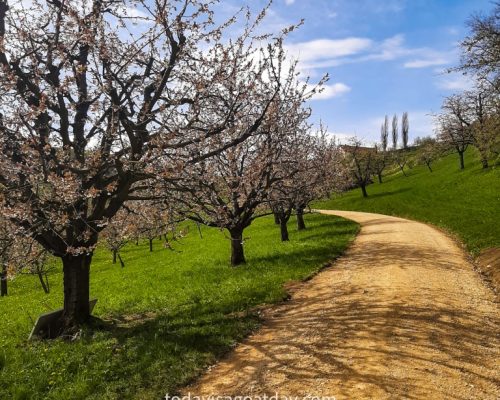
[465,203]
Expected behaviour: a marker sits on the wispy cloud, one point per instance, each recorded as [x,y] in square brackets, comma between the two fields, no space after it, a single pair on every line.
[389,49]
[327,53]
[430,62]
[454,82]
[426,57]
[324,49]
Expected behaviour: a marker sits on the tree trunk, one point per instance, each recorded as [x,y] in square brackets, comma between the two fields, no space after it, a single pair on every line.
[76,274]
[150,245]
[114,256]
[276,218]
[379,177]
[363,190]
[237,252]
[3,281]
[199,230]
[122,264]
[284,230]
[45,286]
[484,162]
[429,166]
[461,155]
[301,225]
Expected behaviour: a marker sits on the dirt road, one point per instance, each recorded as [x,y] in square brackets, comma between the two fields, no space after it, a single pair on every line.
[401,316]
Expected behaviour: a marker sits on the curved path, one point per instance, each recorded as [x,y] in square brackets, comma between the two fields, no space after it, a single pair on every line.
[402,315]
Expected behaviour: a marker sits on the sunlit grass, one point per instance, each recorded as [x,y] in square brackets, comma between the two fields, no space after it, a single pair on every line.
[167,314]
[465,203]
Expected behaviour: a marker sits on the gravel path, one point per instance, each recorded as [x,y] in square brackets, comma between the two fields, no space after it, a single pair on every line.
[402,315]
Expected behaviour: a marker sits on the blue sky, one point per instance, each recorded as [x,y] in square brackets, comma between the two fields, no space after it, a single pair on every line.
[383,57]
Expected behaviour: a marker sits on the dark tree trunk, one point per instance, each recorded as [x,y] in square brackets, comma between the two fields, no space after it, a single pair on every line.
[284,230]
[301,225]
[44,282]
[379,174]
[429,166]
[114,256]
[76,270]
[402,168]
[150,245]
[3,281]
[122,264]
[363,190]
[276,218]
[237,252]
[484,162]
[199,230]
[461,155]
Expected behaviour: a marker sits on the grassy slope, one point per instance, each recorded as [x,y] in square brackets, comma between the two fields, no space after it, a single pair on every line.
[183,310]
[466,203]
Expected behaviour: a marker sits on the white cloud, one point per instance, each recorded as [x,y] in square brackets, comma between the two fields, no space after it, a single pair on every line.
[422,63]
[330,91]
[289,2]
[328,53]
[430,58]
[455,82]
[422,57]
[323,49]
[389,49]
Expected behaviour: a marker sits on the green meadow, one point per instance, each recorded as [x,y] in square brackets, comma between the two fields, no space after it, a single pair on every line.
[164,317]
[465,202]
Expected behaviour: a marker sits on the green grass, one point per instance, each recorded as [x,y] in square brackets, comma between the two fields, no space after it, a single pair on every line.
[465,203]
[167,314]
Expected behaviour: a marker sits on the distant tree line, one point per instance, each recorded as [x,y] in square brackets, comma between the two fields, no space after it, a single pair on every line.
[362,163]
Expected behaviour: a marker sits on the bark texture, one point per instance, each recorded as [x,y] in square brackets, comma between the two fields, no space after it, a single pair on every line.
[76,270]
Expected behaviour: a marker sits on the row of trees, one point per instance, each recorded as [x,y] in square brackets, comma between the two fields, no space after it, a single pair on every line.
[264,175]
[472,117]
[362,163]
[21,255]
[119,111]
